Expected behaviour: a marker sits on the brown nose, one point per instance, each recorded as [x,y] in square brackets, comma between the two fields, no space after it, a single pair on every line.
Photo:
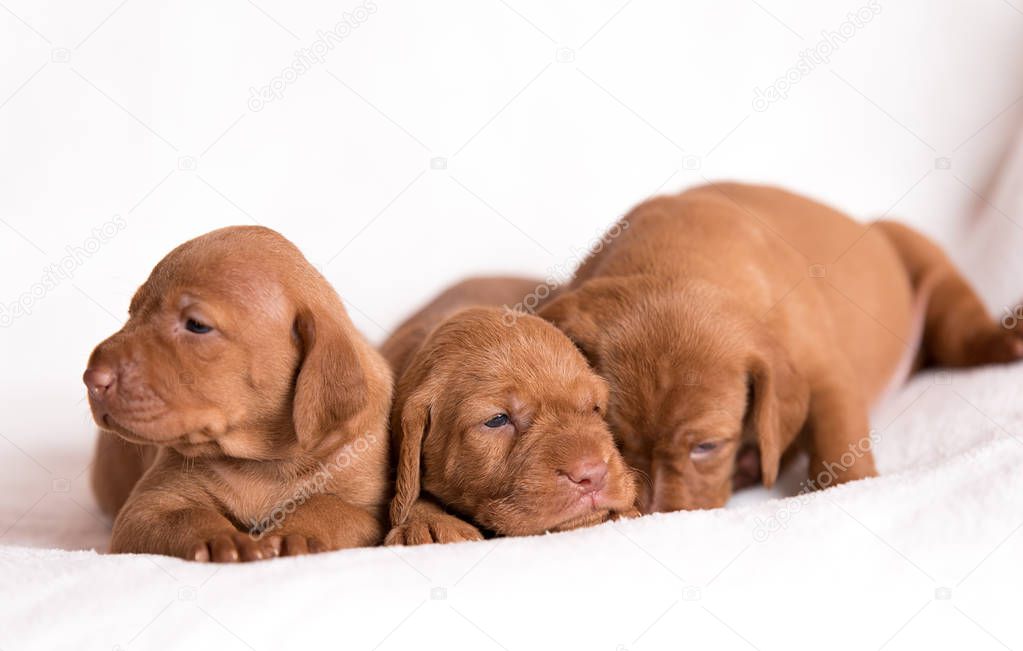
[99,380]
[589,473]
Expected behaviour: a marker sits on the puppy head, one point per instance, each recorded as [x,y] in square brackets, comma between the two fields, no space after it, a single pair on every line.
[691,378]
[504,424]
[235,345]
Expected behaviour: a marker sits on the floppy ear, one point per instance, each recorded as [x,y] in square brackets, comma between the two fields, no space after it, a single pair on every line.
[409,426]
[331,386]
[779,399]
[575,313]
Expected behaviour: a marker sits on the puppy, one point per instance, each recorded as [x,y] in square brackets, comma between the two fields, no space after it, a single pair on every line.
[736,314]
[497,423]
[243,415]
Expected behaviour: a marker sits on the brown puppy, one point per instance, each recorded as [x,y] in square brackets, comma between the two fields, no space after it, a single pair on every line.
[735,313]
[497,418]
[255,410]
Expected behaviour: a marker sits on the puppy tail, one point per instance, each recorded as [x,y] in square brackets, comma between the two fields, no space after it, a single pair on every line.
[957,329]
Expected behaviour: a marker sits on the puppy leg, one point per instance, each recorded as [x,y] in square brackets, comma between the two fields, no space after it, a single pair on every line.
[428,523]
[327,522]
[152,522]
[117,466]
[839,434]
[958,331]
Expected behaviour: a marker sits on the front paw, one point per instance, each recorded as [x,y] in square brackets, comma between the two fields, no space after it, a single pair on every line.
[238,547]
[234,547]
[423,532]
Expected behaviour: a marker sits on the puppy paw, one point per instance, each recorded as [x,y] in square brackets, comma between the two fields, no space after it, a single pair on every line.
[234,547]
[296,544]
[423,532]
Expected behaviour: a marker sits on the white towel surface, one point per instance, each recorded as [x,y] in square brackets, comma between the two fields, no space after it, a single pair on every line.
[926,556]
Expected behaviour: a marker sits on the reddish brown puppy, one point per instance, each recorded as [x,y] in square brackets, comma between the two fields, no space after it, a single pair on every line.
[498,423]
[734,313]
[243,415]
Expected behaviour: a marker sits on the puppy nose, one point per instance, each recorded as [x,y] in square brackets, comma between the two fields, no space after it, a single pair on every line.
[589,473]
[99,380]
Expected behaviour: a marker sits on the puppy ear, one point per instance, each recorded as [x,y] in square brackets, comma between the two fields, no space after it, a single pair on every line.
[331,386]
[409,426]
[568,313]
[779,399]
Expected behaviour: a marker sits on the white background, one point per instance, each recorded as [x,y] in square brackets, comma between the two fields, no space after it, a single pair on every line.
[551,120]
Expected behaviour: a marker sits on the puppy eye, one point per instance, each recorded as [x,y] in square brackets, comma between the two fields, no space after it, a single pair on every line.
[198,328]
[499,420]
[703,450]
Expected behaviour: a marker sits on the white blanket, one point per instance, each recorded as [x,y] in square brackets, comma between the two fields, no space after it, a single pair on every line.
[926,554]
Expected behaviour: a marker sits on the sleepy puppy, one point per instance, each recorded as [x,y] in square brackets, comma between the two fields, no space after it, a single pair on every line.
[497,423]
[243,415]
[735,314]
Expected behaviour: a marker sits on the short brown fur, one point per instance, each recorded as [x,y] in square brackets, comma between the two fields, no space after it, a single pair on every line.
[553,466]
[265,436]
[736,314]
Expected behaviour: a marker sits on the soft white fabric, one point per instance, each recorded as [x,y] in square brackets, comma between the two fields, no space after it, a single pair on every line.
[850,567]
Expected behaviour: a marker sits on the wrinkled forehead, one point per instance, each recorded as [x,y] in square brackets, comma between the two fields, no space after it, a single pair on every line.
[681,391]
[223,280]
[532,362]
